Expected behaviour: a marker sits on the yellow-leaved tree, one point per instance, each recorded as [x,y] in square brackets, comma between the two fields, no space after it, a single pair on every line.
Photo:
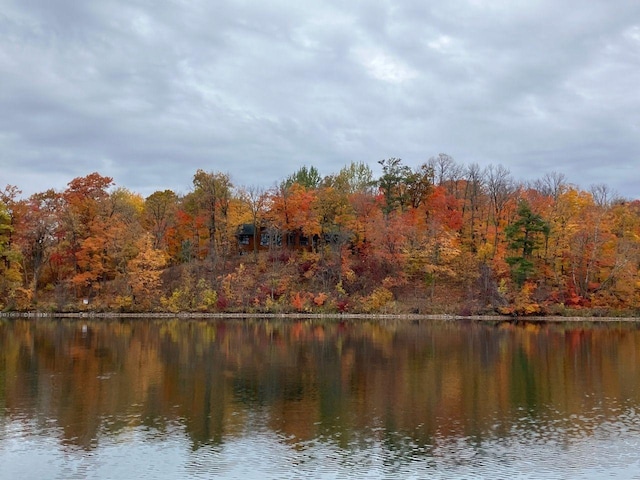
[10,272]
[144,272]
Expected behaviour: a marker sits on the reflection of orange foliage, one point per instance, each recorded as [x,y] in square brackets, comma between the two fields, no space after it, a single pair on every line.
[320,377]
[319,333]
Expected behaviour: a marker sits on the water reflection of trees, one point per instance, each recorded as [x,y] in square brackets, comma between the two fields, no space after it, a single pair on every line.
[406,385]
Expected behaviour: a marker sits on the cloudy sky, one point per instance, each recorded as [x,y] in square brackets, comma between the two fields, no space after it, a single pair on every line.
[147,92]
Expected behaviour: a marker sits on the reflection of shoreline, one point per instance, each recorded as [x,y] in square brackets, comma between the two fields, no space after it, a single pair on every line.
[323,316]
[419,387]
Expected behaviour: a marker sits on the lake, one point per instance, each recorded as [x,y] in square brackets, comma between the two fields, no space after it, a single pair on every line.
[361,398]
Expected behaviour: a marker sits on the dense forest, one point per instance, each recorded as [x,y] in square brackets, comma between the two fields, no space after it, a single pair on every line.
[440,238]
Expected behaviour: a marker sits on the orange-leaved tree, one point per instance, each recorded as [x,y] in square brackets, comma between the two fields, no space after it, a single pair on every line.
[85,210]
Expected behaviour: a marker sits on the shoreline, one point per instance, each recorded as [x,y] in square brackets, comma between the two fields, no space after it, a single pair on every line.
[318,316]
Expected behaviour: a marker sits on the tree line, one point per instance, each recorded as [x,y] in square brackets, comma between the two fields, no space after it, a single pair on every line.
[443,237]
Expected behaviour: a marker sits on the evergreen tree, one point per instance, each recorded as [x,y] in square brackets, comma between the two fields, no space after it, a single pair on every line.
[525,235]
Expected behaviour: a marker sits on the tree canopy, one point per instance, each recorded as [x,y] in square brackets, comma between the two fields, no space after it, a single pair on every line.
[441,237]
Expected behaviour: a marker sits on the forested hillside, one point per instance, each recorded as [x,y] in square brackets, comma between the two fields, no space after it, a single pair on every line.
[441,238]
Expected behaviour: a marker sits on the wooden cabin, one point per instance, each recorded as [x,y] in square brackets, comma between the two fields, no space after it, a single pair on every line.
[269,238]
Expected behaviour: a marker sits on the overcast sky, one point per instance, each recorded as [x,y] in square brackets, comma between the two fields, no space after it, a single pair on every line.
[147,92]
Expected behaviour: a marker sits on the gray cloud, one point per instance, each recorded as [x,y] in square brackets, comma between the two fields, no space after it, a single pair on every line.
[148,93]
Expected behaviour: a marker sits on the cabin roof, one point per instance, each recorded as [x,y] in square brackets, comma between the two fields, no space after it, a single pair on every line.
[246,229]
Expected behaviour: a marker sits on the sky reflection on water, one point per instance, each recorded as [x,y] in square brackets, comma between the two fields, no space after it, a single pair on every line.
[144,454]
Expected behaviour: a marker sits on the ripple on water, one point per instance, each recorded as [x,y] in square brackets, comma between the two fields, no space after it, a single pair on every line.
[581,447]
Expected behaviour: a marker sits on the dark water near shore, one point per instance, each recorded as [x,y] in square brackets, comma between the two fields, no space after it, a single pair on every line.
[185,398]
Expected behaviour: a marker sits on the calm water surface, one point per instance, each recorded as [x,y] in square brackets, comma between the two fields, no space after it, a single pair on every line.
[177,398]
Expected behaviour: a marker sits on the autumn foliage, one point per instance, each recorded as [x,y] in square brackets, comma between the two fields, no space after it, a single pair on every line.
[441,238]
